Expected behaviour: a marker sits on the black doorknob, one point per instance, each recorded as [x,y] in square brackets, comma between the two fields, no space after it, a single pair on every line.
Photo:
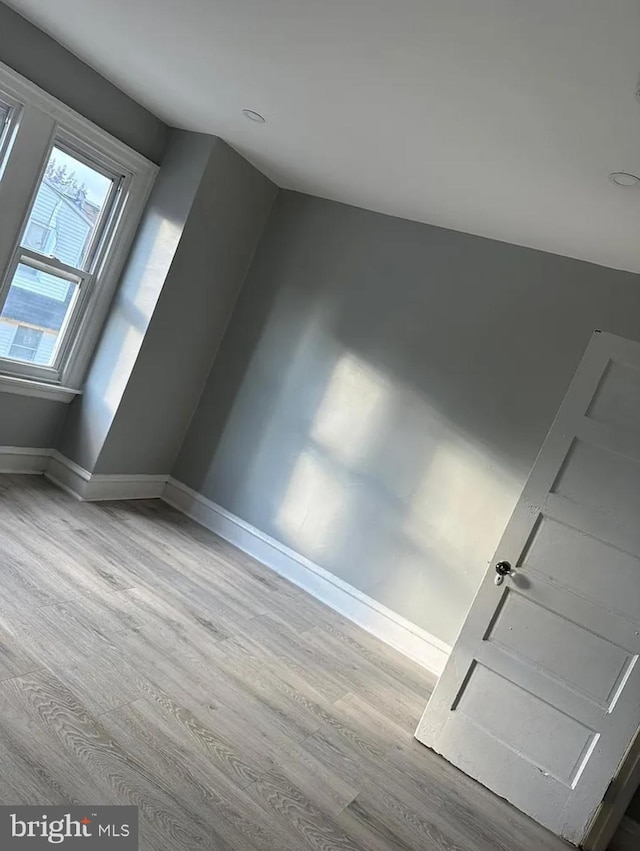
[502,568]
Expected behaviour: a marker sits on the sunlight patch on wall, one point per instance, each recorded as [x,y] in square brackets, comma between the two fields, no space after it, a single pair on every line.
[150,263]
[115,380]
[313,506]
[387,482]
[349,418]
[461,506]
[132,310]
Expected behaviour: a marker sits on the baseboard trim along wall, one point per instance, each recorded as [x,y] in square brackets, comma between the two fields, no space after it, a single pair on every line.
[425,649]
[94,487]
[393,629]
[627,837]
[24,460]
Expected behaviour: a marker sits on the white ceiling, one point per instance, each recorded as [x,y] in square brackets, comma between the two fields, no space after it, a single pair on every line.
[495,117]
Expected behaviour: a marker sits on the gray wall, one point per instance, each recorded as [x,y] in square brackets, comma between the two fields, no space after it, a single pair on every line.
[27,421]
[220,236]
[37,56]
[91,416]
[382,391]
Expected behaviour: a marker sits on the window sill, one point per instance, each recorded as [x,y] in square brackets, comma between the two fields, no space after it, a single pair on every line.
[39,389]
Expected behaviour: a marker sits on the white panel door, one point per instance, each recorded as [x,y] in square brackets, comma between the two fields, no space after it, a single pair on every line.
[541,695]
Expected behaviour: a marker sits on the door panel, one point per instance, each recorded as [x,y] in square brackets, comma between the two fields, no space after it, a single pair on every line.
[516,631]
[554,547]
[616,400]
[603,480]
[552,741]
[540,697]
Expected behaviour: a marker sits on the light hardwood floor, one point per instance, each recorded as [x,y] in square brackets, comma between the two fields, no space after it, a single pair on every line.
[145,661]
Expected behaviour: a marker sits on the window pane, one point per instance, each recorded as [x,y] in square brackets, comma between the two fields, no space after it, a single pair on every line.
[5,126]
[26,343]
[33,314]
[68,209]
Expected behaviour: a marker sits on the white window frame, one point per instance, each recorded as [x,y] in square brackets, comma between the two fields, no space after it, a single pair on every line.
[40,121]
[6,138]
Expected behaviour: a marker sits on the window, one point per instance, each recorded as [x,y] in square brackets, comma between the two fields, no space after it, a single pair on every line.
[25,343]
[7,117]
[37,236]
[72,206]
[70,197]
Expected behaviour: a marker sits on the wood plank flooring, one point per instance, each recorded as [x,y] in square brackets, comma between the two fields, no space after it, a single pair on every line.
[144,661]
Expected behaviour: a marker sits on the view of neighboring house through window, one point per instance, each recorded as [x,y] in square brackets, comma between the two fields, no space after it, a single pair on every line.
[37,236]
[58,243]
[26,343]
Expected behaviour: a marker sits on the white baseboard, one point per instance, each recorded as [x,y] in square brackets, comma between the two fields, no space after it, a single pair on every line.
[393,629]
[627,837]
[68,475]
[94,487]
[24,460]
[122,486]
[385,624]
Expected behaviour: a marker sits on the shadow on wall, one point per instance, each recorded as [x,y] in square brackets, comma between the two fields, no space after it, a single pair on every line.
[352,460]
[340,452]
[90,417]
[92,414]
[134,307]
[382,391]
[430,502]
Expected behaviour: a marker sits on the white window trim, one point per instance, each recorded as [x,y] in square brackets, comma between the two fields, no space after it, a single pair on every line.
[43,118]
